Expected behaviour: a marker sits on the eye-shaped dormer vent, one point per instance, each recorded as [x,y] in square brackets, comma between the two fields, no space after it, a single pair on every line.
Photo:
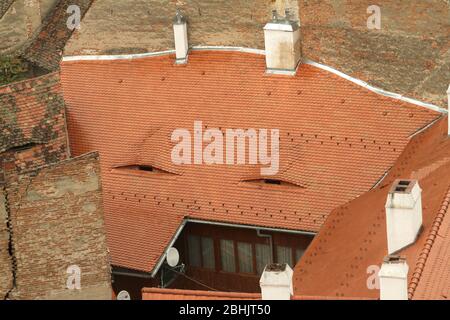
[272,183]
[140,169]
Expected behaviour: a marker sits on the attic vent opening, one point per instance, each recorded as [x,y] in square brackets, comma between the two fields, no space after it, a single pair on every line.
[145,168]
[23,147]
[274,184]
[272,181]
[140,169]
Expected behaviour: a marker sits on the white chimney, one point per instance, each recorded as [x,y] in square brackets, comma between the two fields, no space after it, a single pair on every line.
[448,109]
[393,277]
[403,214]
[282,44]
[181,38]
[276,282]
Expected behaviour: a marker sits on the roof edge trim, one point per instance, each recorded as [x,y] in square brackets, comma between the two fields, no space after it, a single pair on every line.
[245,226]
[158,53]
[116,57]
[171,243]
[374,89]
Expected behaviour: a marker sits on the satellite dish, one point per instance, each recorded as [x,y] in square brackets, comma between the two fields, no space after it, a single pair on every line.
[123,295]
[172,257]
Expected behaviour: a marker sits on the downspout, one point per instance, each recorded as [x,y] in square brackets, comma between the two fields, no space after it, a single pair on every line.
[268,236]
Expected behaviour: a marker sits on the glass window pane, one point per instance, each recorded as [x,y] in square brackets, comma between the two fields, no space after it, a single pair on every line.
[262,256]
[245,256]
[194,251]
[227,255]
[298,254]
[284,255]
[208,253]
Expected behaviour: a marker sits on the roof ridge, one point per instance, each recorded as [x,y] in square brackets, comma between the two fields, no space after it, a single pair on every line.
[423,256]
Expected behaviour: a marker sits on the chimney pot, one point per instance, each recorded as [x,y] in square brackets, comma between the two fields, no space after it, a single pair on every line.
[276,282]
[403,214]
[394,278]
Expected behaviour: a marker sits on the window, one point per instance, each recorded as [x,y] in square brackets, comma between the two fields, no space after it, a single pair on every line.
[194,251]
[298,254]
[262,256]
[208,253]
[227,255]
[245,257]
[284,255]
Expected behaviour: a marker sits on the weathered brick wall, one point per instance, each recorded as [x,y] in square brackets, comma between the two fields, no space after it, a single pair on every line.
[146,25]
[4,5]
[5,258]
[32,124]
[46,47]
[409,55]
[56,217]
[20,19]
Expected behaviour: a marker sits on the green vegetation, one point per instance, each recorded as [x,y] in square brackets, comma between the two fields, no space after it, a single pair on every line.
[12,69]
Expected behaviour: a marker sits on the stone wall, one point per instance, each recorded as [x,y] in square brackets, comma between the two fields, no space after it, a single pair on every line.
[32,124]
[408,55]
[6,275]
[56,220]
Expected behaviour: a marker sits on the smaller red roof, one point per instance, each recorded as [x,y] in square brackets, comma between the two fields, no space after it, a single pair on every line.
[353,238]
[178,294]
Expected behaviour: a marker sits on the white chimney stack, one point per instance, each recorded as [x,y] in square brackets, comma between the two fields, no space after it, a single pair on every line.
[276,282]
[448,109]
[393,277]
[181,38]
[282,45]
[403,214]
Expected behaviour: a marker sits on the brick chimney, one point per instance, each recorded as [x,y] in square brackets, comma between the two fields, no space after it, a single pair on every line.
[276,282]
[403,214]
[282,44]
[393,277]
[181,38]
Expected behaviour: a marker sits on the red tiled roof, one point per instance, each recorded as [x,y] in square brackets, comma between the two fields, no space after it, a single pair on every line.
[337,140]
[354,235]
[180,294]
[177,294]
[431,275]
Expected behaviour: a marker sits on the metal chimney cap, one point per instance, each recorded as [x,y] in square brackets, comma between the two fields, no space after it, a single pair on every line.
[275,16]
[179,18]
